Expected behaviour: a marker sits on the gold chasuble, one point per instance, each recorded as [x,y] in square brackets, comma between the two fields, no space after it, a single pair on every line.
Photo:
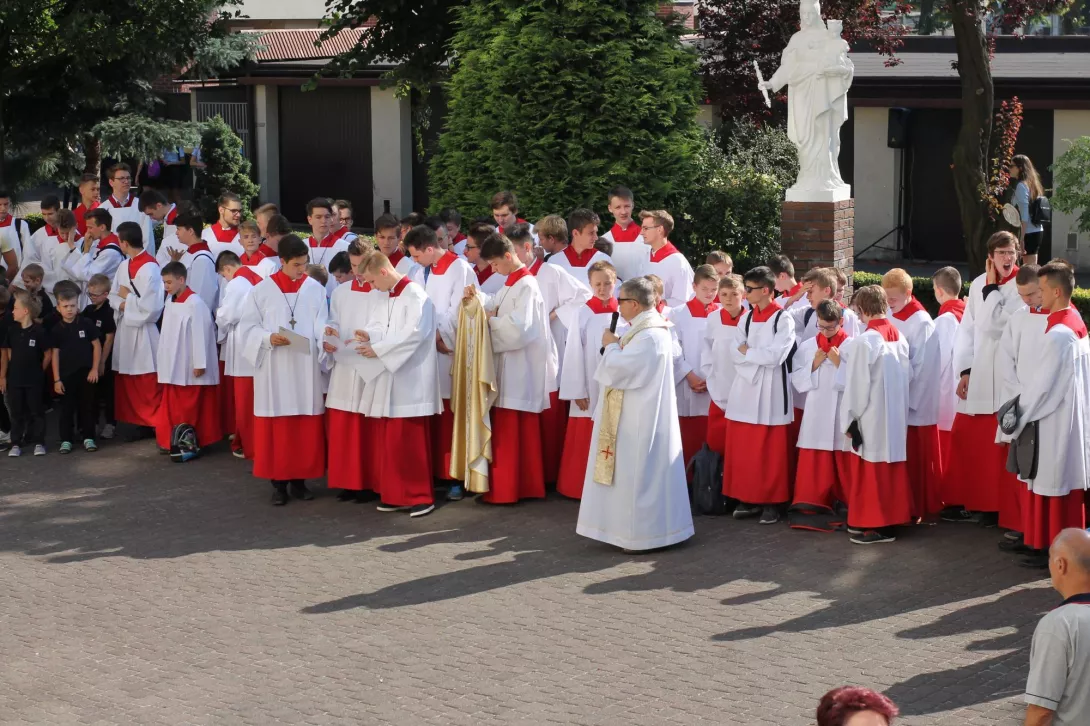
[612,401]
[473,391]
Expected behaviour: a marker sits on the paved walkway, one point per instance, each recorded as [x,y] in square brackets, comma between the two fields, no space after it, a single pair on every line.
[136,591]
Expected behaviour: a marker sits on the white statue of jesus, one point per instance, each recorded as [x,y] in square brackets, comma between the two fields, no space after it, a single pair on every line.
[817,72]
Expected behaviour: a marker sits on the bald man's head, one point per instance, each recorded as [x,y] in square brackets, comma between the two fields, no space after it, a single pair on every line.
[1074,544]
[1069,561]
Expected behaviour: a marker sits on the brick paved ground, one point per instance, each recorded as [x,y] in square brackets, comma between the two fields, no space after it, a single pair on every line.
[136,591]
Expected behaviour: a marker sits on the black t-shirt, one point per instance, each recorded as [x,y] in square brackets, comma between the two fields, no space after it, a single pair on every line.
[28,347]
[103,318]
[47,306]
[74,343]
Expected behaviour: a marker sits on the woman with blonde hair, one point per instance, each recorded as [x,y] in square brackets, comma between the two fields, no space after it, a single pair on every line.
[1026,191]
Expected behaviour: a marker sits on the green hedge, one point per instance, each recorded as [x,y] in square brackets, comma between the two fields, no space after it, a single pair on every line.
[924,291]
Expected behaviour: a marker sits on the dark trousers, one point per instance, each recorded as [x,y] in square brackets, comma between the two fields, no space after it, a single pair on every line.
[27,415]
[104,396]
[5,418]
[78,407]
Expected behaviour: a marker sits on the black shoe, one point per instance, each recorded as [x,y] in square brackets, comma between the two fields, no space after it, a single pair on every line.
[164,452]
[853,530]
[346,495]
[280,495]
[299,490]
[1036,561]
[747,511]
[956,514]
[1015,547]
[391,508]
[873,536]
[421,510]
[987,520]
[365,497]
[769,515]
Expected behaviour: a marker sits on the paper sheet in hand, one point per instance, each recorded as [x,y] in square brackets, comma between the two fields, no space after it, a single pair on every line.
[347,354]
[296,343]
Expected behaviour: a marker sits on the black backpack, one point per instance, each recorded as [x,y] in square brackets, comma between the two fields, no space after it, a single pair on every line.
[1040,211]
[706,488]
[785,369]
[183,443]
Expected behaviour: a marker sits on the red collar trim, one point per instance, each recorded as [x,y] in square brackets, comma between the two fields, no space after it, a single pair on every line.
[763,316]
[249,275]
[834,342]
[1070,318]
[400,285]
[82,208]
[119,205]
[629,234]
[224,235]
[183,295]
[792,291]
[50,231]
[285,283]
[1008,278]
[579,259]
[110,239]
[665,251]
[201,246]
[458,238]
[885,329]
[266,250]
[912,307]
[482,275]
[443,263]
[62,240]
[396,257]
[139,261]
[699,310]
[600,308]
[330,239]
[518,220]
[660,306]
[1039,311]
[954,307]
[536,267]
[171,215]
[517,275]
[727,320]
[249,259]
[358,287]
[6,222]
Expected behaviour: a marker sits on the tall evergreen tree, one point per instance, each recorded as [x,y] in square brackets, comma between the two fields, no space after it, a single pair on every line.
[560,99]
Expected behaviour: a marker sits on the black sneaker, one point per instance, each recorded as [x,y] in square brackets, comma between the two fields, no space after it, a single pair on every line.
[987,520]
[346,495]
[1016,536]
[956,514]
[746,511]
[299,490]
[873,536]
[392,508]
[769,515]
[421,510]
[279,497]
[365,497]
[1036,561]
[1015,547]
[853,530]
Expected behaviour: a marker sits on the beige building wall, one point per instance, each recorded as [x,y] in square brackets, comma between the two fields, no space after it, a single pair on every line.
[875,178]
[391,152]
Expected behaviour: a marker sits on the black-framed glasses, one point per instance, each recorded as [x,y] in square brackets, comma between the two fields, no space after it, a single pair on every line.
[625,299]
[472,247]
[753,289]
[653,226]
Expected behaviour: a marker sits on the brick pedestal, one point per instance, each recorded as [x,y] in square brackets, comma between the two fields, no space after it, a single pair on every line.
[819,234]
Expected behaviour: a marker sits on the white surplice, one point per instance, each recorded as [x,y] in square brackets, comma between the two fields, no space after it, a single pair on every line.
[402,333]
[564,297]
[1058,396]
[322,253]
[351,308]
[722,334]
[823,388]
[630,258]
[1018,356]
[445,283]
[137,338]
[582,355]
[521,344]
[235,296]
[201,275]
[103,258]
[286,382]
[691,324]
[876,379]
[757,395]
[130,212]
[17,235]
[676,273]
[576,264]
[926,358]
[221,240]
[170,243]
[648,504]
[977,339]
[806,322]
[946,331]
[187,342]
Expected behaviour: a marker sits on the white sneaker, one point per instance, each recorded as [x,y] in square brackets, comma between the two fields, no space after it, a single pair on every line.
[5,437]
[108,431]
[15,451]
[39,450]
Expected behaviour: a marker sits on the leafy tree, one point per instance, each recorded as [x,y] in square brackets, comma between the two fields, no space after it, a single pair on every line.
[225,170]
[765,149]
[560,99]
[141,137]
[1071,181]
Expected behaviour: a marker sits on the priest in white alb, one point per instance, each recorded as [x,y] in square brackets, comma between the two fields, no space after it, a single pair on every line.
[635,495]
[282,330]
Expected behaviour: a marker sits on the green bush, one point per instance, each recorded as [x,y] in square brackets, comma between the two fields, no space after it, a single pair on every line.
[34,221]
[727,206]
[225,170]
[765,149]
[559,101]
[924,291]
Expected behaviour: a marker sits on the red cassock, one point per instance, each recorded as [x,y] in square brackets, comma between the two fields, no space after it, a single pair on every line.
[717,430]
[198,406]
[244,413]
[352,439]
[946,490]
[227,404]
[879,494]
[823,478]
[793,430]
[554,421]
[517,469]
[770,483]
[442,433]
[136,398]
[289,447]
[924,452]
[1044,517]
[978,465]
[694,432]
[406,480]
[573,466]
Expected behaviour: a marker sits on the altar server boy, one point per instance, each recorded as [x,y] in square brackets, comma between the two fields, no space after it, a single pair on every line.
[289,421]
[874,413]
[947,285]
[401,338]
[238,373]
[137,296]
[721,336]
[665,260]
[188,366]
[582,353]
[691,323]
[199,263]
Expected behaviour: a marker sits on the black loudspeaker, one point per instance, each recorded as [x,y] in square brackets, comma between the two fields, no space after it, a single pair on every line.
[897,136]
